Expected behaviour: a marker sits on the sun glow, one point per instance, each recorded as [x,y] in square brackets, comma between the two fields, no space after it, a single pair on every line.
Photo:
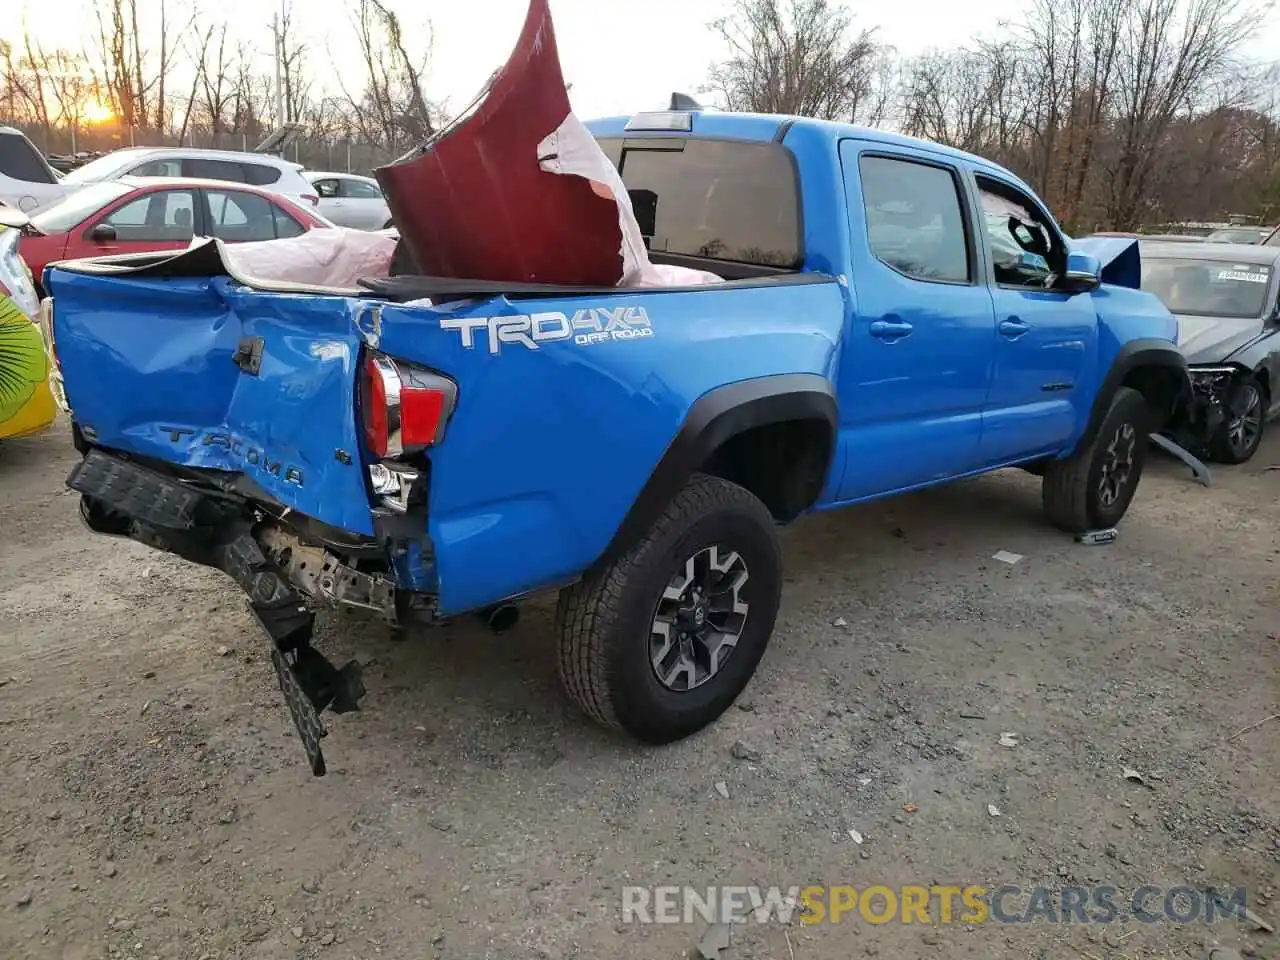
[95,111]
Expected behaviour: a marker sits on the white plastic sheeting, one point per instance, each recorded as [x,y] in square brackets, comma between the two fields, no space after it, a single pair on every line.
[329,259]
[571,149]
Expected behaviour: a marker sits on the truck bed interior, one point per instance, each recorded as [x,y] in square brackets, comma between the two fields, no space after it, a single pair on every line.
[207,260]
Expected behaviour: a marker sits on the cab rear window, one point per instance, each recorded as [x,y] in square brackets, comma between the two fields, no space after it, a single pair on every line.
[713,199]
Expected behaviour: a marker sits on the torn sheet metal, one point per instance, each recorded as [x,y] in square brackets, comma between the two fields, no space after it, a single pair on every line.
[519,191]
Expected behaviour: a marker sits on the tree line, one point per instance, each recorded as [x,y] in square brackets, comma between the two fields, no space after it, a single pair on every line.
[169,76]
[1121,113]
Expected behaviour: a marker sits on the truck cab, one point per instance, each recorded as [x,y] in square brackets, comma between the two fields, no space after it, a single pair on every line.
[967,344]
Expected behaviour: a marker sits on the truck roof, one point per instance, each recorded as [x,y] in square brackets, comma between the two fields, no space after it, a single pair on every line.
[764,127]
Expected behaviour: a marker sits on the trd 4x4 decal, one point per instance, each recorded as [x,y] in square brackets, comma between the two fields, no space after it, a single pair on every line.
[585,327]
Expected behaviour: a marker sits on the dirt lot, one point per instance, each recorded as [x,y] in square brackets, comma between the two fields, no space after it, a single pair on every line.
[155,802]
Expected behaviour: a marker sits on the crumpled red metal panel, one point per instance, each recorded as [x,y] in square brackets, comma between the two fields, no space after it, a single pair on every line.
[474,203]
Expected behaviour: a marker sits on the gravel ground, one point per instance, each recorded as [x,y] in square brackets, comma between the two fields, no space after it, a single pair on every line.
[155,802]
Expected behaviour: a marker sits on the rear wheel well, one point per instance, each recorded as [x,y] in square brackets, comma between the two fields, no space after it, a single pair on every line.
[1160,386]
[784,464]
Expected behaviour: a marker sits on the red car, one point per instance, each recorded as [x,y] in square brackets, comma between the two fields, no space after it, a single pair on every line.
[137,214]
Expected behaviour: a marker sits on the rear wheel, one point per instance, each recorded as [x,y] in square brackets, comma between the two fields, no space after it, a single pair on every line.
[1237,439]
[660,642]
[1093,487]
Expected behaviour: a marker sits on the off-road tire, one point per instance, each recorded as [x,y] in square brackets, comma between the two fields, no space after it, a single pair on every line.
[605,621]
[1070,490]
[1220,449]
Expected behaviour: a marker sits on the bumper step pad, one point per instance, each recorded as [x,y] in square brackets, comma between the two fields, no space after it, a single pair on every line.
[309,682]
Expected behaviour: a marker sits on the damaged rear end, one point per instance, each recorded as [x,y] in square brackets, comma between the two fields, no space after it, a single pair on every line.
[258,432]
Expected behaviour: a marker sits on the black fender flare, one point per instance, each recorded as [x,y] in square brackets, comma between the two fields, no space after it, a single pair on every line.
[1143,352]
[713,418]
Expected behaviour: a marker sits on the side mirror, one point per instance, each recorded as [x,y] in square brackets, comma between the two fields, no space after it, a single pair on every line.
[102,233]
[1083,273]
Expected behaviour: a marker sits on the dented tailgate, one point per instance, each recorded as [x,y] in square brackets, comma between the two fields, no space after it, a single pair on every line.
[205,373]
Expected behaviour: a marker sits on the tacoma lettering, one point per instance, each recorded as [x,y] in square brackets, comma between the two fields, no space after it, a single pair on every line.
[252,456]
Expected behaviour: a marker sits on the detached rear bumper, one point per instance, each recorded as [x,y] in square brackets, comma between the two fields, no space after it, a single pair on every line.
[120,497]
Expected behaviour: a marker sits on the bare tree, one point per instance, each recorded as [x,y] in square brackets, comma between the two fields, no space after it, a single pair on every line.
[797,57]
[1169,51]
[390,107]
[968,98]
[24,83]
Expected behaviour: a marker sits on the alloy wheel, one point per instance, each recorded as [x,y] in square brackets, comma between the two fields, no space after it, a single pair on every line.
[699,618]
[1243,430]
[1117,464]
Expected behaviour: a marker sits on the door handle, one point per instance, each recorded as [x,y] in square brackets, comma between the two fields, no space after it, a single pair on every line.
[1013,328]
[890,329]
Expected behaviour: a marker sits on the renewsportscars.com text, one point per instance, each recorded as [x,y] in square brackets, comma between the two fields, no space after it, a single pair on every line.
[933,904]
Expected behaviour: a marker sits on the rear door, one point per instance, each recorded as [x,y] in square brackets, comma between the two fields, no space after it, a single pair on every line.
[155,220]
[916,364]
[1043,337]
[331,204]
[239,216]
[364,202]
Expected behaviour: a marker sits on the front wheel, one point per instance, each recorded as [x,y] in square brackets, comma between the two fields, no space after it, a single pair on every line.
[1237,439]
[662,640]
[1092,488]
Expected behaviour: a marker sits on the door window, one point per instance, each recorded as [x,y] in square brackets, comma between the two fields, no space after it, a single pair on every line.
[915,221]
[260,174]
[164,216]
[326,189]
[158,168]
[359,190]
[213,169]
[239,217]
[286,226]
[1025,250]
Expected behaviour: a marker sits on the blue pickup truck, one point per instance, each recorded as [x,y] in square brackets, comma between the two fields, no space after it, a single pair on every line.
[895,315]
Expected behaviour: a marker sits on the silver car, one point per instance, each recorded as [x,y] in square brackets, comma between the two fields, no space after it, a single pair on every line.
[1226,298]
[350,200]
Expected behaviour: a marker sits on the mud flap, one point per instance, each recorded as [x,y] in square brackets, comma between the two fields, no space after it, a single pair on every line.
[1198,469]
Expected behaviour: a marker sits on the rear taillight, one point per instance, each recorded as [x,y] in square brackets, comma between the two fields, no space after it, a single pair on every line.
[405,407]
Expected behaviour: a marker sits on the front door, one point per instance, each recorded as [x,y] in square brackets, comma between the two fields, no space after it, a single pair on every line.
[1044,337]
[155,221]
[917,359]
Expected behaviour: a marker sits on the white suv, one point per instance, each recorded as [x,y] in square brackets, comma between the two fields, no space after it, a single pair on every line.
[258,169]
[27,182]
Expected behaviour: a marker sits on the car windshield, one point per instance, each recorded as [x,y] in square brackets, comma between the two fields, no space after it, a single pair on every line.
[1208,288]
[1242,235]
[80,204]
[95,169]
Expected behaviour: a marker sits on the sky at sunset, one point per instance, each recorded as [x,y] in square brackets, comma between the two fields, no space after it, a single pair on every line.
[620,55]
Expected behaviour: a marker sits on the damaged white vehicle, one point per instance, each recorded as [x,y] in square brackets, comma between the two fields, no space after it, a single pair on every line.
[1226,298]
